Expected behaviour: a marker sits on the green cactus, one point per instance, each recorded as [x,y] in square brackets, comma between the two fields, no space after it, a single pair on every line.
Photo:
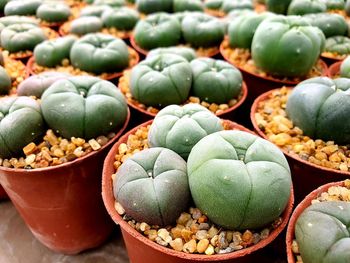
[322,232]
[53,12]
[99,53]
[303,7]
[320,107]
[123,18]
[187,5]
[10,20]
[111,3]
[94,10]
[339,45]
[50,53]
[179,128]
[161,80]
[85,25]
[185,52]
[238,180]
[21,122]
[153,6]
[21,8]
[152,186]
[157,30]
[330,24]
[345,68]
[278,6]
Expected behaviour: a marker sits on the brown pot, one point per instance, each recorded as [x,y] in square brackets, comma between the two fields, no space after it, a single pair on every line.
[298,210]
[110,76]
[334,70]
[145,52]
[62,205]
[258,84]
[306,176]
[140,247]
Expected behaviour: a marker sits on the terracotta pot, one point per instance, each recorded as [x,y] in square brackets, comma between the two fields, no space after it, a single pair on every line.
[298,210]
[140,247]
[145,52]
[62,205]
[334,70]
[110,76]
[306,176]
[230,113]
[258,84]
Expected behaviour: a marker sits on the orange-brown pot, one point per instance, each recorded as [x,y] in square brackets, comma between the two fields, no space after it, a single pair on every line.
[334,70]
[140,248]
[62,205]
[298,210]
[306,176]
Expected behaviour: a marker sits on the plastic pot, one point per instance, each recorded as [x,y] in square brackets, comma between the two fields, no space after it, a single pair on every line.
[110,76]
[140,248]
[334,70]
[298,210]
[306,176]
[62,205]
[145,52]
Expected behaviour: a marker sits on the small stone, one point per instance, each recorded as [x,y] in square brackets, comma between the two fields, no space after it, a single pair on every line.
[236,238]
[118,207]
[335,158]
[210,250]
[247,237]
[202,234]
[30,148]
[265,233]
[144,227]
[204,226]
[161,242]
[30,159]
[58,152]
[123,148]
[78,152]
[222,242]
[94,144]
[190,246]
[295,247]
[202,245]
[176,231]
[164,234]
[183,219]
[102,140]
[177,244]
[281,139]
[196,213]
[214,240]
[186,234]
[78,141]
[51,138]
[213,231]
[152,234]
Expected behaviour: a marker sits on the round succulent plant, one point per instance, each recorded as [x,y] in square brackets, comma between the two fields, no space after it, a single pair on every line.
[338,44]
[202,30]
[238,180]
[10,20]
[50,53]
[86,24]
[5,81]
[303,7]
[278,6]
[152,186]
[53,12]
[215,81]
[187,5]
[99,53]
[83,107]
[21,122]
[123,18]
[157,30]
[94,10]
[179,128]
[36,85]
[161,80]
[111,3]
[330,24]
[320,107]
[153,6]
[322,232]
[21,37]
[334,4]
[287,46]
[185,52]
[22,8]
[345,68]
[229,5]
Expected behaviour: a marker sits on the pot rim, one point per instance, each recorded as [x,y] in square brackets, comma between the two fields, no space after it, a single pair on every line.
[334,69]
[244,93]
[253,110]
[71,163]
[31,61]
[108,200]
[325,70]
[145,52]
[290,236]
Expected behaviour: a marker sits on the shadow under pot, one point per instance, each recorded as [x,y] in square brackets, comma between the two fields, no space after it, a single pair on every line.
[56,185]
[136,241]
[147,87]
[320,214]
[74,56]
[313,162]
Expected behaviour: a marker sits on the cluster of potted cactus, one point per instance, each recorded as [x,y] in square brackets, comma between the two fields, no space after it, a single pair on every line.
[187,185]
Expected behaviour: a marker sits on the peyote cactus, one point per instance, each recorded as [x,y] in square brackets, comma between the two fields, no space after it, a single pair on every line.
[161,80]
[334,4]
[122,18]
[94,10]
[84,107]
[238,180]
[320,107]
[21,37]
[157,30]
[330,24]
[323,234]
[22,8]
[152,186]
[303,7]
[85,25]
[21,122]
[278,6]
[179,128]
[50,53]
[36,85]
[339,45]
[153,6]
[99,53]
[111,3]
[287,46]
[186,52]
[187,5]
[10,20]
[5,81]
[215,81]
[53,12]
[345,68]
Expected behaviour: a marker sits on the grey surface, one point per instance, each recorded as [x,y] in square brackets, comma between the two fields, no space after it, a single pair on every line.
[18,245]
